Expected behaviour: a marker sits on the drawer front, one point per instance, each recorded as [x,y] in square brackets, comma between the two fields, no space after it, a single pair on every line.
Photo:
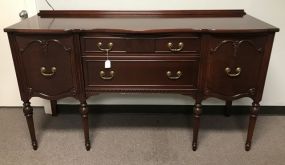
[178,45]
[92,44]
[143,73]
[140,45]
[234,65]
[47,66]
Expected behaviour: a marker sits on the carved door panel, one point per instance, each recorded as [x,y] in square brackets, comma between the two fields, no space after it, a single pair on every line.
[47,65]
[233,66]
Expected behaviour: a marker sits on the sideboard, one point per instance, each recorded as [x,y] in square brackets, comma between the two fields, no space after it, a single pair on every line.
[200,53]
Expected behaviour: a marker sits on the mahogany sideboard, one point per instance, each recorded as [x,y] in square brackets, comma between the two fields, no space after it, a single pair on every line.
[200,53]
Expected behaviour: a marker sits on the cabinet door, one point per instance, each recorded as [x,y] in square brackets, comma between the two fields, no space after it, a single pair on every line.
[233,66]
[47,65]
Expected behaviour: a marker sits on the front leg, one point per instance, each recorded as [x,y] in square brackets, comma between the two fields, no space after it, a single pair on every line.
[252,120]
[84,114]
[196,124]
[28,112]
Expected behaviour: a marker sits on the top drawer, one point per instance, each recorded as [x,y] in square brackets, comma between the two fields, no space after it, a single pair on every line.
[190,44]
[176,44]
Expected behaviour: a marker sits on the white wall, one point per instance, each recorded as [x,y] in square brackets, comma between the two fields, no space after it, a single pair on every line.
[269,11]
[143,5]
[9,92]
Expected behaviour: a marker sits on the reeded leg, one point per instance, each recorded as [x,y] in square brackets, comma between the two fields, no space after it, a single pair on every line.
[28,112]
[252,120]
[196,124]
[227,111]
[53,107]
[84,115]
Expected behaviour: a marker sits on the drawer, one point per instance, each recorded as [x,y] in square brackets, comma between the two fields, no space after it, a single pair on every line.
[92,44]
[140,45]
[117,45]
[178,45]
[141,73]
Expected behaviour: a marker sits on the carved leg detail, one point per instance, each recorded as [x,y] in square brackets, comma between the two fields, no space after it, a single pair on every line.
[53,108]
[252,120]
[196,124]
[227,111]
[84,115]
[28,112]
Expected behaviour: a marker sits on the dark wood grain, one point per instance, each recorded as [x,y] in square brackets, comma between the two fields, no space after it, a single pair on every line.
[37,51]
[223,54]
[153,76]
[197,111]
[252,120]
[145,24]
[28,112]
[244,52]
[141,44]
[84,114]
[120,13]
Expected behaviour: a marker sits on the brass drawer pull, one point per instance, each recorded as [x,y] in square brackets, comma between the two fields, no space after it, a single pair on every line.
[104,77]
[44,71]
[169,75]
[228,71]
[110,46]
[180,47]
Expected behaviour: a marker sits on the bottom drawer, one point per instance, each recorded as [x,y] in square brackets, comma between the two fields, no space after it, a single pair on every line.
[158,74]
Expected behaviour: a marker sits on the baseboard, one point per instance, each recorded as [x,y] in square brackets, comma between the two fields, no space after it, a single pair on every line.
[207,109]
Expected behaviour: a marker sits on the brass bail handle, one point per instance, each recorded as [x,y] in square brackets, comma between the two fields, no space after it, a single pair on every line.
[178,75]
[109,46]
[180,47]
[237,72]
[104,77]
[45,73]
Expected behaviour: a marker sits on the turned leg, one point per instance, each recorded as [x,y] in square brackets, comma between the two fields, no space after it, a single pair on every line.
[196,124]
[227,111]
[254,110]
[28,112]
[84,115]
[53,107]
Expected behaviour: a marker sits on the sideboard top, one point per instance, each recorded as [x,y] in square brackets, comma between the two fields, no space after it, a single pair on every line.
[212,21]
